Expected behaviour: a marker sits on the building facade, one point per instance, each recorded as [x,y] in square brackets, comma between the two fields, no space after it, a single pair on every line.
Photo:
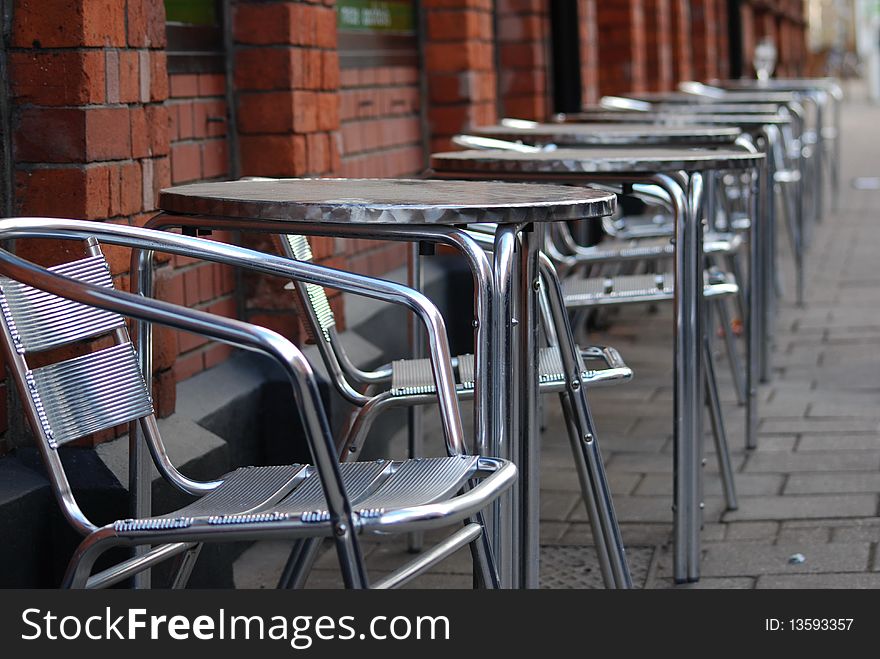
[105,102]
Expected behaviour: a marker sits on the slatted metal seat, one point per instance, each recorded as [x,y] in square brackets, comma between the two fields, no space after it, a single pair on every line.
[295,492]
[411,377]
[44,309]
[632,289]
[410,382]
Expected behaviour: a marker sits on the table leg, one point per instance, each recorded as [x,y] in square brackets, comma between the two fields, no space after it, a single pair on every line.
[531,240]
[415,426]
[766,221]
[756,291]
[820,156]
[688,374]
[507,527]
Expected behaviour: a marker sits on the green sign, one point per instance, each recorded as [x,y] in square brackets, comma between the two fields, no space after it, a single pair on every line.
[191,12]
[375,16]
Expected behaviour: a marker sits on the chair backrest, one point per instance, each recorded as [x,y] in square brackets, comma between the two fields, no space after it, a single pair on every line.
[314,297]
[73,397]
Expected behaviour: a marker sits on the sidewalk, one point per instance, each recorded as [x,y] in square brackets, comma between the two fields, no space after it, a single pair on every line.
[811,487]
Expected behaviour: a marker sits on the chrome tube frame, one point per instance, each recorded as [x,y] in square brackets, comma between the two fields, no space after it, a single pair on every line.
[455,238]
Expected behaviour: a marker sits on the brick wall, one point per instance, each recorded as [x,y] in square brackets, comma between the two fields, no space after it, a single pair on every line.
[622,54]
[523,36]
[87,83]
[589,54]
[459,67]
[381,122]
[287,79]
[682,58]
[659,70]
[704,38]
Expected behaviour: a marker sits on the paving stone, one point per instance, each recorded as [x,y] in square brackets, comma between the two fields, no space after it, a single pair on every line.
[748,559]
[638,534]
[862,442]
[708,583]
[818,425]
[815,461]
[803,507]
[764,531]
[832,483]
[556,479]
[860,531]
[848,581]
[796,534]
[649,509]
[746,484]
[557,506]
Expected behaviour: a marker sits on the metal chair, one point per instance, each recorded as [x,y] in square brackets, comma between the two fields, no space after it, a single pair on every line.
[43,309]
[644,241]
[407,383]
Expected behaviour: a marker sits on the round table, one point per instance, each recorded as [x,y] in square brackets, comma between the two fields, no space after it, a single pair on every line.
[673,118]
[662,167]
[506,420]
[780,97]
[641,133]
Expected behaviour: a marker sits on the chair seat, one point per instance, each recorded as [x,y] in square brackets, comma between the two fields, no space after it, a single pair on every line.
[631,289]
[654,235]
[414,377]
[294,492]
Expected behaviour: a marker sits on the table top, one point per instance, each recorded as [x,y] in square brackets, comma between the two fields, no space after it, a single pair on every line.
[681,119]
[607,134]
[386,201]
[716,108]
[779,84]
[592,161]
[745,96]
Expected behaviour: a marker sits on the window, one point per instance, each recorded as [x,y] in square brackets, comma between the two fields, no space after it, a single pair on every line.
[377,33]
[195,36]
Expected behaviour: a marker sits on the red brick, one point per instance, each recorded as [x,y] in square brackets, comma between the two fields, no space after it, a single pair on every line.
[212,84]
[330,70]
[455,26]
[183,85]
[273,155]
[50,135]
[57,78]
[215,159]
[261,24]
[131,182]
[158,124]
[129,77]
[285,324]
[325,28]
[209,118]
[186,163]
[188,365]
[184,113]
[67,23]
[278,112]
[216,354]
[108,134]
[318,153]
[158,75]
[146,24]
[268,68]
[328,111]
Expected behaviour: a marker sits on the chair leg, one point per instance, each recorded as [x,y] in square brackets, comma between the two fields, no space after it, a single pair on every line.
[735,266]
[736,368]
[299,563]
[594,489]
[485,570]
[185,563]
[719,433]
